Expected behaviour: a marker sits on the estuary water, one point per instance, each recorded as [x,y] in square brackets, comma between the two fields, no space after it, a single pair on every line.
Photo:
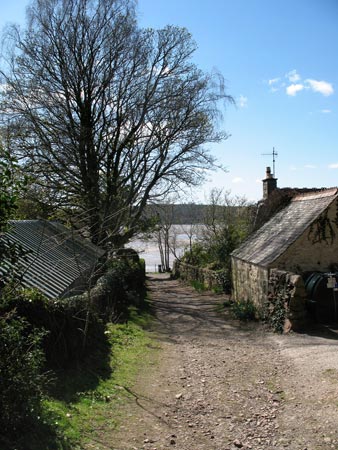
[180,236]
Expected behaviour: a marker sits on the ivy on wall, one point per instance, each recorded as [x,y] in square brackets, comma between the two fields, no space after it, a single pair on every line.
[323,228]
[276,306]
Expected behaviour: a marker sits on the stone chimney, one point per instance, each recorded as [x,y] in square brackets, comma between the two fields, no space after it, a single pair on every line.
[269,183]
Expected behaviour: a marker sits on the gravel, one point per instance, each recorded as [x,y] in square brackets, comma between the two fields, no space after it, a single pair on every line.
[223,385]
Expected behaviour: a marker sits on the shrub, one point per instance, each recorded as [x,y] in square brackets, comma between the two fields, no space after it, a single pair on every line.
[198,255]
[198,285]
[62,320]
[127,276]
[244,310]
[22,381]
[224,280]
[76,324]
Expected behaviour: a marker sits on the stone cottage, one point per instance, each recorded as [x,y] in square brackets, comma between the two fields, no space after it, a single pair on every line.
[301,237]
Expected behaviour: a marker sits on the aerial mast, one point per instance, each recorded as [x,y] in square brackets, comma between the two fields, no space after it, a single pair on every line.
[273,154]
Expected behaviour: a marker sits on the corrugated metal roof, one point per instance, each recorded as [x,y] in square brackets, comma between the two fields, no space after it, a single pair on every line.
[275,236]
[56,257]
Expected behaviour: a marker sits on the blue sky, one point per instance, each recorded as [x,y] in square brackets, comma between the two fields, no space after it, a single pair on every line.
[280,63]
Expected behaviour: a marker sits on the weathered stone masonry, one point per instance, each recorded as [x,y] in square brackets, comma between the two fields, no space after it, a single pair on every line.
[301,238]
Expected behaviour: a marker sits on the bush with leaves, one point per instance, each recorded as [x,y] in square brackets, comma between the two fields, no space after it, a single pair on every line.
[198,255]
[67,339]
[21,355]
[228,221]
[21,379]
[244,310]
[12,184]
[127,276]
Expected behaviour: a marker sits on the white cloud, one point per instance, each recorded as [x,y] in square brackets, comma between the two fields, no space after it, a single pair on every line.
[294,88]
[326,111]
[243,101]
[275,84]
[293,83]
[273,81]
[237,180]
[333,166]
[323,87]
[310,166]
[293,76]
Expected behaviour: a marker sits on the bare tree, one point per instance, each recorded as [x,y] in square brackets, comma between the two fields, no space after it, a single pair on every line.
[191,231]
[228,221]
[105,114]
[163,232]
[224,211]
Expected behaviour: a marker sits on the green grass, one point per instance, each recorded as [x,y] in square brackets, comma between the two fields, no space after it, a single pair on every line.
[80,418]
[84,400]
[217,290]
[198,286]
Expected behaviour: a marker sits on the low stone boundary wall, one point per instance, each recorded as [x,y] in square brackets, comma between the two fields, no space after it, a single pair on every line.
[211,279]
[286,309]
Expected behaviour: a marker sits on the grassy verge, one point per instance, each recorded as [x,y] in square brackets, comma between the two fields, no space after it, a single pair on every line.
[198,286]
[84,401]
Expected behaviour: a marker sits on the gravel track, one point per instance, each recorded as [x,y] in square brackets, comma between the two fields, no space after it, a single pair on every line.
[223,385]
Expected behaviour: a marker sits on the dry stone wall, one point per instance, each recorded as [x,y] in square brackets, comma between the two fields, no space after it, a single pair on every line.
[285,308]
[279,296]
[210,279]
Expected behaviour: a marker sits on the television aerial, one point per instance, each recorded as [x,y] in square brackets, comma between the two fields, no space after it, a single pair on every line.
[273,154]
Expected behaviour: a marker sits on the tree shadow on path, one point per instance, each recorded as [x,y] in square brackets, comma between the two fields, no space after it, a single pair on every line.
[182,312]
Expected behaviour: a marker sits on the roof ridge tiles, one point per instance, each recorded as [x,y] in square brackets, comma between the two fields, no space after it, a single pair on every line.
[330,192]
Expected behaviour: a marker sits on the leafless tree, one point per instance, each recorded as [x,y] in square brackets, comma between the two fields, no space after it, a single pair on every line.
[226,210]
[163,232]
[105,114]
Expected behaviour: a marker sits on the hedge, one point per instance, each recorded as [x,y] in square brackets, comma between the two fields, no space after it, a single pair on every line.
[74,325]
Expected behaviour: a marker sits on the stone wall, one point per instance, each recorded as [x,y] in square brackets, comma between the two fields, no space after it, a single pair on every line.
[285,308]
[211,279]
[279,296]
[250,282]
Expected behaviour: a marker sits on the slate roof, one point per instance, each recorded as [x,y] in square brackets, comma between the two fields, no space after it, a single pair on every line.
[269,242]
[57,256]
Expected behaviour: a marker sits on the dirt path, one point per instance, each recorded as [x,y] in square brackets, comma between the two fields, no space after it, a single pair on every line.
[224,385]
